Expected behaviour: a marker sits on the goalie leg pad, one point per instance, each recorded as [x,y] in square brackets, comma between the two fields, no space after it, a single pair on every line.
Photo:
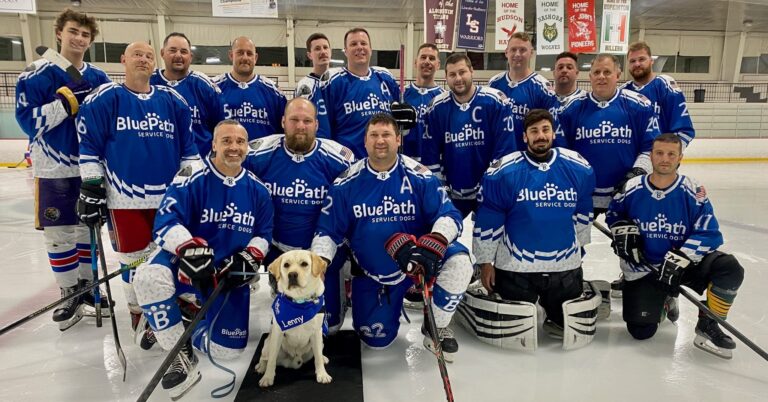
[501,323]
[580,318]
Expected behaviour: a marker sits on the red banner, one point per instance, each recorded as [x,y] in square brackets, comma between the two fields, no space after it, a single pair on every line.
[440,23]
[582,36]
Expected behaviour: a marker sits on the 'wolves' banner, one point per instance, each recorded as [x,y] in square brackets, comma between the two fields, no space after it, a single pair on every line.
[440,23]
[549,26]
[582,36]
[472,20]
[509,19]
[614,37]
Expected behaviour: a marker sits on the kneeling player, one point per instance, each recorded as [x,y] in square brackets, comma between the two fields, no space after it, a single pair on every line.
[666,234]
[534,217]
[390,200]
[213,222]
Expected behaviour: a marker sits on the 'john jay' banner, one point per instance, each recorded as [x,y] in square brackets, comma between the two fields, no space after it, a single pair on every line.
[472,20]
[440,23]
[549,27]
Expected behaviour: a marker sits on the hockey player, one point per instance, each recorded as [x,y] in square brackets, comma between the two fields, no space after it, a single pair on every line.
[467,127]
[667,99]
[201,94]
[524,88]
[47,101]
[133,138]
[611,128]
[253,100]
[420,94]
[298,170]
[390,204]
[566,73]
[319,52]
[213,222]
[356,92]
[664,219]
[534,217]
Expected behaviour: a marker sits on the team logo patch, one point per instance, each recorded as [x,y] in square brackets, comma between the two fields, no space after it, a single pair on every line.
[52,214]
[657,195]
[550,32]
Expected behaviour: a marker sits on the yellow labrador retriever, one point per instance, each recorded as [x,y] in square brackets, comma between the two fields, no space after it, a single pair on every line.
[297,317]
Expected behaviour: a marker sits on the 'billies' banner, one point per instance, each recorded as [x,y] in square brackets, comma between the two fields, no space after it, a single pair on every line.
[614,37]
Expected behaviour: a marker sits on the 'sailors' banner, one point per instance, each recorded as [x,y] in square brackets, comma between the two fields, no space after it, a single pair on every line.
[582,35]
[614,36]
[440,23]
[509,19]
[472,23]
[549,27]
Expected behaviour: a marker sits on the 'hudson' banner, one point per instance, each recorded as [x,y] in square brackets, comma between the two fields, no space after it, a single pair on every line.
[509,19]
[472,21]
[440,23]
[549,27]
[614,36]
[582,36]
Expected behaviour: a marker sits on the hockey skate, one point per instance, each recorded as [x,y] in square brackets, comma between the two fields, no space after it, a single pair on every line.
[617,287]
[447,342]
[71,311]
[183,373]
[711,339]
[88,300]
[671,309]
[552,329]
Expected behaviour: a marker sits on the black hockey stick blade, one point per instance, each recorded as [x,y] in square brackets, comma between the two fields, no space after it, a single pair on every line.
[180,343]
[103,260]
[693,299]
[59,60]
[95,270]
[430,317]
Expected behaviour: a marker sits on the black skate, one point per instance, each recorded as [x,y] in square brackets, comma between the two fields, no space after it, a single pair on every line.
[142,332]
[69,312]
[183,373]
[617,287]
[88,300]
[710,338]
[671,309]
[447,342]
[553,329]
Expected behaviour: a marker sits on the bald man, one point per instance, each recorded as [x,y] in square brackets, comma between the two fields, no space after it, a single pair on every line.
[252,100]
[134,137]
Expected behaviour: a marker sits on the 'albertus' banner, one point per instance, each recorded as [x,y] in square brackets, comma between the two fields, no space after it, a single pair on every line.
[440,23]
[549,26]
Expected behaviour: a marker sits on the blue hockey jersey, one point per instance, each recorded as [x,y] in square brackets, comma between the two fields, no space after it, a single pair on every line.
[532,92]
[351,101]
[257,104]
[462,139]
[298,183]
[678,217]
[230,213]
[309,88]
[420,98]
[540,212]
[52,134]
[202,96]
[613,135]
[669,105]
[135,141]
[366,207]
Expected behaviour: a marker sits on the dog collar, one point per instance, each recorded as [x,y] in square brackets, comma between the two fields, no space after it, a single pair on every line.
[313,299]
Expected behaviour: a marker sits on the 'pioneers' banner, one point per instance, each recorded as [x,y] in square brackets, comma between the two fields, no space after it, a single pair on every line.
[440,23]
[614,37]
[472,20]
[582,35]
[549,26]
[509,19]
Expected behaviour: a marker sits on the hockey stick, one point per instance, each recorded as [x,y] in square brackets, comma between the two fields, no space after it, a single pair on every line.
[18,164]
[180,343]
[60,61]
[693,299]
[53,305]
[95,269]
[430,317]
[103,260]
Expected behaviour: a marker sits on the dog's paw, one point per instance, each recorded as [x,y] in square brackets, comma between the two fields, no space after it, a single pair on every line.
[325,360]
[267,381]
[261,366]
[324,378]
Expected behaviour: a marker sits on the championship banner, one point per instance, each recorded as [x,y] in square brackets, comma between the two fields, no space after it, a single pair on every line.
[614,37]
[244,8]
[582,35]
[440,23]
[549,27]
[18,6]
[509,19]
[472,23]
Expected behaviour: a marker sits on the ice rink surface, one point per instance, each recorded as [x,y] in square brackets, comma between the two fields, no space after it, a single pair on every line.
[40,363]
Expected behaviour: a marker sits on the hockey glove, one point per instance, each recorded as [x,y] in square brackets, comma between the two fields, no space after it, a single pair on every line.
[91,205]
[430,250]
[404,114]
[621,186]
[242,267]
[400,246]
[196,264]
[72,95]
[672,269]
[627,242]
